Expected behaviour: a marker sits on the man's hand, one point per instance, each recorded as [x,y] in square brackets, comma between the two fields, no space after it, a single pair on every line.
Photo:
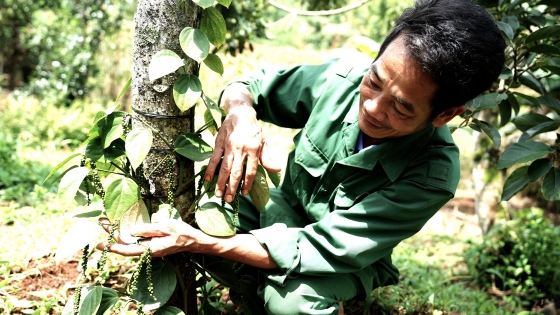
[239,145]
[163,238]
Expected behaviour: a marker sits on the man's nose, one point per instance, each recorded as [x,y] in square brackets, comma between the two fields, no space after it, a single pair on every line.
[375,108]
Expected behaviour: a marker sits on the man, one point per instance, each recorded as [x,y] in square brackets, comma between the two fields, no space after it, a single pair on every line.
[373,162]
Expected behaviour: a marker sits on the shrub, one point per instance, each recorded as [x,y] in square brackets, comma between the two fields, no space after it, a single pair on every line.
[520,257]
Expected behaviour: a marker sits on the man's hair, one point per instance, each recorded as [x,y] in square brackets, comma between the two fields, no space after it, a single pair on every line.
[457,43]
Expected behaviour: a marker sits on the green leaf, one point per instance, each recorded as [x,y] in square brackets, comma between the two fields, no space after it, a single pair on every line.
[528,121]
[506,28]
[91,299]
[120,196]
[94,149]
[163,63]
[209,119]
[137,145]
[126,86]
[164,280]
[214,63]
[114,151]
[169,310]
[533,100]
[515,183]
[550,102]
[204,3]
[538,129]
[69,185]
[538,168]
[531,83]
[191,146]
[89,214]
[543,33]
[214,220]
[137,214]
[225,3]
[186,91]
[109,298]
[514,103]
[79,235]
[111,128]
[486,101]
[217,113]
[490,131]
[523,152]
[260,192]
[551,184]
[274,178]
[545,49]
[61,164]
[505,112]
[165,212]
[214,26]
[194,43]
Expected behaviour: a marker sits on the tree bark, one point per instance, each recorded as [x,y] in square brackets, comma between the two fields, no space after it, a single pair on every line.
[158,24]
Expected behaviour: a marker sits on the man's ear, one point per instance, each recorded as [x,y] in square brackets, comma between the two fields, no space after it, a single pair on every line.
[447,115]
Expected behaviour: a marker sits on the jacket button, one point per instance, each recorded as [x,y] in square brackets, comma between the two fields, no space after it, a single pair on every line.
[325,192]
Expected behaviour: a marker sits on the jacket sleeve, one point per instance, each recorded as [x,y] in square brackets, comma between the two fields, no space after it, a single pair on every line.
[348,240]
[286,97]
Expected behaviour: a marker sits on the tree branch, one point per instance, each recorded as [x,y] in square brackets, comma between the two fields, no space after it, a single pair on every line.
[318,13]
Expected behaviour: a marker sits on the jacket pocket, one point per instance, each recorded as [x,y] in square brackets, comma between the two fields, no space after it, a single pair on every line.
[345,197]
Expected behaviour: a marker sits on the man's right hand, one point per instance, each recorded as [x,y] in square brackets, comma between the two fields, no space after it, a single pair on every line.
[239,145]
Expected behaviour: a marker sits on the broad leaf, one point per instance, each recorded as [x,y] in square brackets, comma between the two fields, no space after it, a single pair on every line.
[505,112]
[110,128]
[126,86]
[214,220]
[544,33]
[533,100]
[209,119]
[551,185]
[538,129]
[186,91]
[545,49]
[77,237]
[89,214]
[194,43]
[169,310]
[274,178]
[204,3]
[225,3]
[490,131]
[538,168]
[165,212]
[506,28]
[214,63]
[137,214]
[523,152]
[109,298]
[528,121]
[486,101]
[69,185]
[515,183]
[94,149]
[260,192]
[120,196]
[191,146]
[214,26]
[91,299]
[550,102]
[514,103]
[216,111]
[531,83]
[163,63]
[137,145]
[164,281]
[114,151]
[61,164]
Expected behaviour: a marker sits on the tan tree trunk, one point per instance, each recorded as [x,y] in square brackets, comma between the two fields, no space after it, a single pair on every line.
[158,24]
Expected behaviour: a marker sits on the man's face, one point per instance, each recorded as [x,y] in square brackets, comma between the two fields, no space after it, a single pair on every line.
[395,96]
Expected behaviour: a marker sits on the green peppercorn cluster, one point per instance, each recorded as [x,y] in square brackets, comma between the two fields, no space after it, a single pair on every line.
[110,240]
[84,261]
[145,261]
[76,308]
[171,178]
[96,181]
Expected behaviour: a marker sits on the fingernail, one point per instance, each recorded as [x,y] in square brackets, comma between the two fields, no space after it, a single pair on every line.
[218,193]
[229,198]
[207,178]
[244,192]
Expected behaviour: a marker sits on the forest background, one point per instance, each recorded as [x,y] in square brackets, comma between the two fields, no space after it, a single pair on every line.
[63,61]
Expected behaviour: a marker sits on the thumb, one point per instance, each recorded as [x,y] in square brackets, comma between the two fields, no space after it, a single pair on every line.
[149,230]
[269,159]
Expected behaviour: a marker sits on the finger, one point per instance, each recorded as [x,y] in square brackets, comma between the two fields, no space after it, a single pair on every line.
[150,230]
[223,175]
[122,249]
[105,224]
[250,173]
[213,163]
[235,177]
[269,159]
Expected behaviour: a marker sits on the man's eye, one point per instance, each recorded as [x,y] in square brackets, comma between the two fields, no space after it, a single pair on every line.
[399,113]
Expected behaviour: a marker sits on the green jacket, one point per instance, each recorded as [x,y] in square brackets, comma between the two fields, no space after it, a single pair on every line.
[359,205]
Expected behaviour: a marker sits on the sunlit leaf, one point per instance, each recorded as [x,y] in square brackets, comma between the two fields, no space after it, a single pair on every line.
[89,214]
[165,212]
[204,3]
[164,280]
[213,220]
[186,91]
[486,101]
[543,33]
[530,120]
[137,146]
[61,164]
[538,129]
[69,185]
[274,178]
[225,3]
[137,214]
[214,26]
[194,43]
[163,63]
[506,28]
[76,238]
[217,112]
[124,89]
[109,298]
[111,128]
[191,146]
[523,152]
[91,299]
[120,196]
[260,192]
[214,63]
[515,183]
[551,184]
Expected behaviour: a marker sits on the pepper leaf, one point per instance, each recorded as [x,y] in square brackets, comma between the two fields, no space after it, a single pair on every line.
[186,91]
[523,152]
[213,220]
[194,43]
[121,194]
[191,145]
[137,145]
[69,185]
[214,26]
[551,184]
[164,62]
